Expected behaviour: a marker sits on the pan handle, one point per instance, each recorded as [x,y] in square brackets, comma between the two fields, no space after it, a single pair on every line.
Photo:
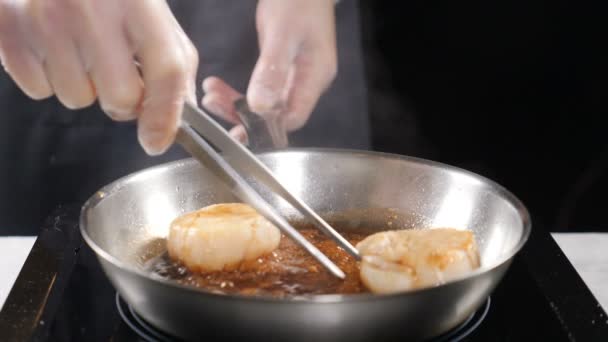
[262,135]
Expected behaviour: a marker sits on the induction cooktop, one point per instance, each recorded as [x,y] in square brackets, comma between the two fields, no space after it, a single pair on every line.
[62,294]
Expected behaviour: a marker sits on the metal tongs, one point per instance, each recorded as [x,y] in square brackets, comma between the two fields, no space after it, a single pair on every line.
[198,127]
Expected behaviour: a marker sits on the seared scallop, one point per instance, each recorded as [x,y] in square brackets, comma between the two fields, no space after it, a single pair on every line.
[402,260]
[221,237]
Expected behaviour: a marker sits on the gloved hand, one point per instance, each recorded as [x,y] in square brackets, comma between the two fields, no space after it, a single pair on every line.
[297,63]
[86,49]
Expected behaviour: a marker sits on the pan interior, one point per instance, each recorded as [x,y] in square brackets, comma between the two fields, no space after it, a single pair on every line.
[350,189]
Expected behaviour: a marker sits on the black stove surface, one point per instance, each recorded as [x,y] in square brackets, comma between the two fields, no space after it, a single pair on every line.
[62,294]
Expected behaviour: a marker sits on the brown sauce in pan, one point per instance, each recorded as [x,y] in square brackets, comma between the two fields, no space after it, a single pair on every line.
[288,271]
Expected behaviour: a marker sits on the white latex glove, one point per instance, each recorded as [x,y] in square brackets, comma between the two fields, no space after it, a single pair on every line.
[83,50]
[297,63]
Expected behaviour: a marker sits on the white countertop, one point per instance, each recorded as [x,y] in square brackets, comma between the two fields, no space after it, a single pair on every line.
[13,252]
[588,252]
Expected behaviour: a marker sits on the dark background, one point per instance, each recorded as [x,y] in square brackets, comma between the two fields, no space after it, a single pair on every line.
[514,90]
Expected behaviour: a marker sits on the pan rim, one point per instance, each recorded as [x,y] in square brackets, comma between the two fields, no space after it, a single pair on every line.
[115,186]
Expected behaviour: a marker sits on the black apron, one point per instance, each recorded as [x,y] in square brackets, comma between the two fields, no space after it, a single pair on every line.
[50,155]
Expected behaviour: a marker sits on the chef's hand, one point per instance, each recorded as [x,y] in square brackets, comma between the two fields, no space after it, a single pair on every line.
[296,65]
[85,50]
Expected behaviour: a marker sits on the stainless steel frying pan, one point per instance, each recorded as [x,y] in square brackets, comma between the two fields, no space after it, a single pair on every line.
[351,190]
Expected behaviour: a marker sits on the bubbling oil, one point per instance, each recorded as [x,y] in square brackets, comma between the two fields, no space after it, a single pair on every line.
[287,271]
